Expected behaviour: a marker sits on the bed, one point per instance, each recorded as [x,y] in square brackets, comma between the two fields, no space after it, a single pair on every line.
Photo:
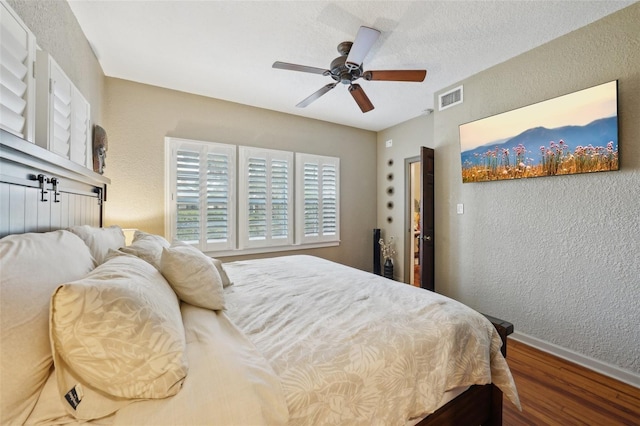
[286,340]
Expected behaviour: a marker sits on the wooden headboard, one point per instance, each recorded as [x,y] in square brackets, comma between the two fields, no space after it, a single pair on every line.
[41,191]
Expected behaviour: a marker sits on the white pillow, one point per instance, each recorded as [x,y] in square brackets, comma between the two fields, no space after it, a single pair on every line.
[226,282]
[31,267]
[193,276]
[116,336]
[147,247]
[100,240]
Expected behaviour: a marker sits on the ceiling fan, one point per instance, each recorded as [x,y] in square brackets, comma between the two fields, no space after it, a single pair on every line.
[347,68]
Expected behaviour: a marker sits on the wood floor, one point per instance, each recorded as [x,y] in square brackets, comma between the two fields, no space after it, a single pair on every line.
[556,392]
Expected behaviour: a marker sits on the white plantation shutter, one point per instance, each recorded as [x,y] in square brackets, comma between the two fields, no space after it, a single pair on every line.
[60,119]
[281,202]
[81,146]
[311,199]
[329,184]
[202,180]
[256,217]
[187,196]
[220,174]
[265,197]
[317,198]
[17,86]
[63,122]
[255,208]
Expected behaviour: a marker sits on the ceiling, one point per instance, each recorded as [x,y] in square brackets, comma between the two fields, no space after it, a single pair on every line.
[225,49]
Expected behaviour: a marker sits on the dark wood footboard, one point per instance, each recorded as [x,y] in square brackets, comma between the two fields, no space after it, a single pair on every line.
[478,405]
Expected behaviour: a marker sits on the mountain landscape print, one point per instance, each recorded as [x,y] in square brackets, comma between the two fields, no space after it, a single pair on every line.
[574,133]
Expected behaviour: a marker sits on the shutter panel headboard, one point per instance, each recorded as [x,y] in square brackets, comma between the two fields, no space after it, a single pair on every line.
[41,191]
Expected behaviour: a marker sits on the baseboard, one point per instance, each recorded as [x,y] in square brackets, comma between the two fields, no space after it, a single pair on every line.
[609,370]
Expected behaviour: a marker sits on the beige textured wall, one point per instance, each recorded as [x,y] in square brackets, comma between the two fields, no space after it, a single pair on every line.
[559,257]
[140,116]
[57,31]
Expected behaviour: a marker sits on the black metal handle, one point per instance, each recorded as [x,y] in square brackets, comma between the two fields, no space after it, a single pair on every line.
[42,179]
[54,185]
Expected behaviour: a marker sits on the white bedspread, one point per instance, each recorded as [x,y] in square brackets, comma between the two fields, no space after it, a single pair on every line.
[352,347]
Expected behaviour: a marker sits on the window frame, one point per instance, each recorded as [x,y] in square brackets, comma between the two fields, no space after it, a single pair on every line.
[235,244]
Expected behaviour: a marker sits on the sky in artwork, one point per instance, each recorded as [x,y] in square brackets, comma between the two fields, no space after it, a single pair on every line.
[577,108]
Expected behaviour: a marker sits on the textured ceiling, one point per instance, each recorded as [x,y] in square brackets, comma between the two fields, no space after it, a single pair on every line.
[225,49]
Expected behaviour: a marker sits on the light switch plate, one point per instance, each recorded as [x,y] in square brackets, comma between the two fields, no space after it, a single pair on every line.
[460,208]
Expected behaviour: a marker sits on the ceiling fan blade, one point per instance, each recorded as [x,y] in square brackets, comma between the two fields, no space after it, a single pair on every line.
[396,75]
[364,41]
[361,98]
[316,95]
[301,68]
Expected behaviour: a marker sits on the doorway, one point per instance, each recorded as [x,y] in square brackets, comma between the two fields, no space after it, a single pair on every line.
[412,221]
[419,220]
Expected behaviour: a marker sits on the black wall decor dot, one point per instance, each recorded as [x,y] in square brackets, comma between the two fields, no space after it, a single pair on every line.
[390,190]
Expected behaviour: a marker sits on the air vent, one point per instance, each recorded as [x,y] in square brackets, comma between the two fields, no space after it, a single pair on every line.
[450,98]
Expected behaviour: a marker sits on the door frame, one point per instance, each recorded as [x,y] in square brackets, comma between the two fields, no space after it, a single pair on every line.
[408,219]
[426,250]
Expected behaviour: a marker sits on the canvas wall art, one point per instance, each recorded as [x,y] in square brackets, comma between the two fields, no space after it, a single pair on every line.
[574,133]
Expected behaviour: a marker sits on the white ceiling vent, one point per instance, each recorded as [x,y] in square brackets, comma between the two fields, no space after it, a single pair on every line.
[451,98]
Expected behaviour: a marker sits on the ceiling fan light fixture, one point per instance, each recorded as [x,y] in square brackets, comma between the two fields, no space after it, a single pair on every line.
[345,78]
[364,41]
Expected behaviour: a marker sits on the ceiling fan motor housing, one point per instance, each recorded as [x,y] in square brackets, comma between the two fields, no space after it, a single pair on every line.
[341,71]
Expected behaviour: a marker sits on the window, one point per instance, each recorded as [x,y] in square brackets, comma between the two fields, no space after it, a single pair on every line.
[265,199]
[317,198]
[268,203]
[201,199]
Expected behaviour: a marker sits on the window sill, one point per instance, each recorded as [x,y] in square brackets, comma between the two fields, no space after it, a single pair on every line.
[275,249]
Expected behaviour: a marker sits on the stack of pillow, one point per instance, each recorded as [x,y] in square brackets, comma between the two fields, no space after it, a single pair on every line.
[112,315]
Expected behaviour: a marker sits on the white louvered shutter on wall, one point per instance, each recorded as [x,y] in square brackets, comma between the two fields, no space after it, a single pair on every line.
[203,181]
[265,197]
[317,198]
[311,200]
[60,112]
[329,184]
[17,86]
[220,173]
[81,146]
[63,123]
[187,196]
